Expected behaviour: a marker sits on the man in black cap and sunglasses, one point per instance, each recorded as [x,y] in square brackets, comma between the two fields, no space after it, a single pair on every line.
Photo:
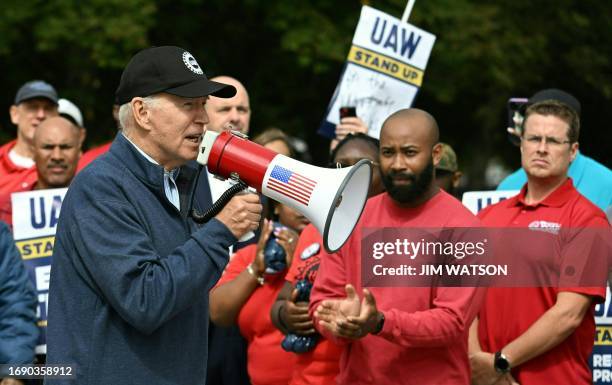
[131,271]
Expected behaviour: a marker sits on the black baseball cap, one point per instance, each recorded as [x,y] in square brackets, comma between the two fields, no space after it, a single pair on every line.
[167,69]
[36,89]
[556,95]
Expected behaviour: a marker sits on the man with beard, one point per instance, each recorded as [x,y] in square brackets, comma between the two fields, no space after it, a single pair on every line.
[398,335]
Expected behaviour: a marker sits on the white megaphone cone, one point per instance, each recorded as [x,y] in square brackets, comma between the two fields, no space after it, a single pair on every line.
[332,199]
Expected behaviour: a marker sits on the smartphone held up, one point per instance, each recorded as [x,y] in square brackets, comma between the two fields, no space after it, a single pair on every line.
[346,112]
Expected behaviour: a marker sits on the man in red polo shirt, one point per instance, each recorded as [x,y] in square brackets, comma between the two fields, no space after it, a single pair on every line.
[542,335]
[35,101]
[398,335]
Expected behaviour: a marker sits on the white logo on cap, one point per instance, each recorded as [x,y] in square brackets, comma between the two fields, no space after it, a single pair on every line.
[192,64]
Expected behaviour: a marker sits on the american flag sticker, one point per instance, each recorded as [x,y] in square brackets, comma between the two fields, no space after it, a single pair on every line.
[291,184]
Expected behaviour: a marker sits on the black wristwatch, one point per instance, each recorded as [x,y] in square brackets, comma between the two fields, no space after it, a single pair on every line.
[380,324]
[501,363]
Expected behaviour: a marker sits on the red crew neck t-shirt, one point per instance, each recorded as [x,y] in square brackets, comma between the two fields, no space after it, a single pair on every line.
[424,337]
[267,362]
[319,366]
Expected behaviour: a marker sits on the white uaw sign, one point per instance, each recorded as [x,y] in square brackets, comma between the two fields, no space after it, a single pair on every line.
[384,70]
[35,217]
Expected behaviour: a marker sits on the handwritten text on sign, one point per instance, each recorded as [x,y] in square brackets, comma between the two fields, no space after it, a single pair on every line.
[383,72]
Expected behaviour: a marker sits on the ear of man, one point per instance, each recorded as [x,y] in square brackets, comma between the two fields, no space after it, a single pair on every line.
[574,151]
[436,153]
[14,114]
[141,113]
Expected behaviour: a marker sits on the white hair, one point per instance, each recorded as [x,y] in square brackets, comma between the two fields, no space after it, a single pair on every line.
[126,115]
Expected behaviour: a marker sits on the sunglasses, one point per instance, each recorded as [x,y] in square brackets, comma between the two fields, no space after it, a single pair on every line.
[347,164]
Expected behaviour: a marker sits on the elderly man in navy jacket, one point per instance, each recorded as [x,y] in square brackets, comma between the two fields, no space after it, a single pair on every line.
[131,271]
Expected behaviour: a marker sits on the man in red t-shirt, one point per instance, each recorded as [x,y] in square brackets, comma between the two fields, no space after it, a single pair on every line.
[539,334]
[398,335]
[319,366]
[35,101]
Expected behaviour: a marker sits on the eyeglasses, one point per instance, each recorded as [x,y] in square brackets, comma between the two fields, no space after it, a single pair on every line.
[535,140]
[345,164]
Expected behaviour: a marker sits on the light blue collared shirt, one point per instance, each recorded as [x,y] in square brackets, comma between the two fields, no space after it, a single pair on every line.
[169,178]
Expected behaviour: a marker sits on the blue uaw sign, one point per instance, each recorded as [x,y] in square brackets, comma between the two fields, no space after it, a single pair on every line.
[601,359]
[383,72]
[35,216]
[478,200]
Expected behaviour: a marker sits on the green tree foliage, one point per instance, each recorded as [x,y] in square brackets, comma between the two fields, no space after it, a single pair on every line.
[290,55]
[78,46]
[490,51]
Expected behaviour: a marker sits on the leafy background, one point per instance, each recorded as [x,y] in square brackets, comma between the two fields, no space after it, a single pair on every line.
[289,54]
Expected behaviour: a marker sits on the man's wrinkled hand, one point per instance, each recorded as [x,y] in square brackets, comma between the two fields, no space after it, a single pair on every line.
[241,214]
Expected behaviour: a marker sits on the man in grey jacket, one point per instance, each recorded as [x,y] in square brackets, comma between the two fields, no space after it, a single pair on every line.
[131,271]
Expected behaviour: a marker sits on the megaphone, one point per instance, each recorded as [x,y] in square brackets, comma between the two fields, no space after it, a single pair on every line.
[332,199]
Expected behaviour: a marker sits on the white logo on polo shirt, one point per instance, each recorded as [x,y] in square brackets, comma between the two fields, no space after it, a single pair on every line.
[549,227]
[192,64]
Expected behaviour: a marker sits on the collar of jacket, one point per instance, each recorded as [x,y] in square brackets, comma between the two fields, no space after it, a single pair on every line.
[152,174]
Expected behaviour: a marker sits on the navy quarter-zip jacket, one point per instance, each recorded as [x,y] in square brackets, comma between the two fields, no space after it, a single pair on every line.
[128,300]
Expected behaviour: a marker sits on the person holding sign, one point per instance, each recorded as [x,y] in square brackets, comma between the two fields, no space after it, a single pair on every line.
[398,335]
[131,272]
[350,124]
[543,334]
[384,70]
